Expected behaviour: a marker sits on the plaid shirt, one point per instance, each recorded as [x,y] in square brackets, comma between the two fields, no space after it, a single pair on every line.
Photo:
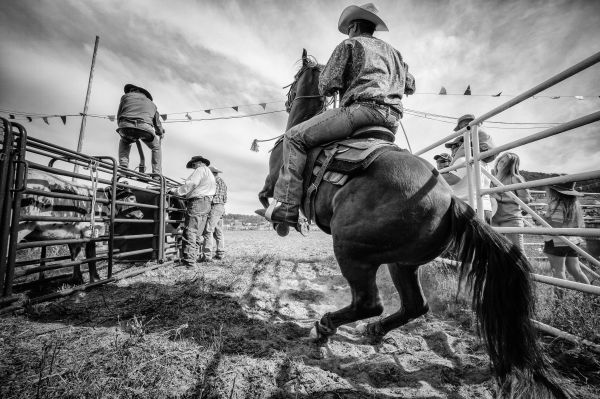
[221,193]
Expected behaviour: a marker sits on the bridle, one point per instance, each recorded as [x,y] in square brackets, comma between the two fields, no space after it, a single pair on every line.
[291,93]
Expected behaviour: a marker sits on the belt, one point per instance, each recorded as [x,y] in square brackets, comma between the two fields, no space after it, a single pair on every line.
[391,110]
[200,198]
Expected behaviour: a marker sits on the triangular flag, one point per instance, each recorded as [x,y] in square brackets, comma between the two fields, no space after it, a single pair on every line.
[443,91]
[264,105]
[111,118]
[497,95]
[579,97]
[207,111]
[468,91]
[236,107]
[555,97]
[188,116]
[163,116]
[29,118]
[254,146]
[11,116]
[64,119]
[45,119]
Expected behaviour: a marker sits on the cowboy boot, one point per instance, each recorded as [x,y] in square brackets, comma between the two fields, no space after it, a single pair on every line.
[288,214]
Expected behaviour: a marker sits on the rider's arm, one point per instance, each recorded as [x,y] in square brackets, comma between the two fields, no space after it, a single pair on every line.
[331,79]
[189,184]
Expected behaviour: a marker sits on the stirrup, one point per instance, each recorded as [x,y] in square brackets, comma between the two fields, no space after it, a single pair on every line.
[301,225]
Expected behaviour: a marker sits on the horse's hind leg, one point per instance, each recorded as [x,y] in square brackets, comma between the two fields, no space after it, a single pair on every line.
[413,302]
[365,300]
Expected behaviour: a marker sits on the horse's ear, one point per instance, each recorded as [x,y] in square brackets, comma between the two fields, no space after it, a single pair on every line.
[304,59]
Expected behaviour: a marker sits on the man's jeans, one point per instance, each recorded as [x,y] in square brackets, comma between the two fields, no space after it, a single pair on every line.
[195,221]
[332,124]
[130,136]
[213,228]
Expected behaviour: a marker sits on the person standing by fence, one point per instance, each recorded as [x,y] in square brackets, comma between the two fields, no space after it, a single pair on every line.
[564,210]
[198,190]
[214,225]
[138,119]
[509,213]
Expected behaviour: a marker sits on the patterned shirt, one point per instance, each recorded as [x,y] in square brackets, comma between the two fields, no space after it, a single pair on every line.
[221,193]
[365,68]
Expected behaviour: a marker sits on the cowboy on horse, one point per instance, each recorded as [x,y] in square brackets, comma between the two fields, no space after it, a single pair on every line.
[370,76]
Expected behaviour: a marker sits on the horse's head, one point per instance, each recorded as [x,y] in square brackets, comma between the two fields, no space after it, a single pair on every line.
[304,99]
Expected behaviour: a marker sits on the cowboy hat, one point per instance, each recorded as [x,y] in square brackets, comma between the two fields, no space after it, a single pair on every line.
[197,158]
[145,92]
[214,170]
[566,189]
[367,12]
[444,156]
[466,117]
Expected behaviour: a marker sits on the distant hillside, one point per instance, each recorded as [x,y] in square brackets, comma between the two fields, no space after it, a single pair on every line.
[244,219]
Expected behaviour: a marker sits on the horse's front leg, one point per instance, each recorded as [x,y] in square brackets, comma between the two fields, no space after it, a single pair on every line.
[365,299]
[412,299]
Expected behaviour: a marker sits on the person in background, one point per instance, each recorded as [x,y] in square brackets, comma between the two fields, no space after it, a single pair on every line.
[508,213]
[198,190]
[457,179]
[214,225]
[442,160]
[564,210]
[138,119]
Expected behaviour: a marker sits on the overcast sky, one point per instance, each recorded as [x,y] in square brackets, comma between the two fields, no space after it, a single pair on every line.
[196,55]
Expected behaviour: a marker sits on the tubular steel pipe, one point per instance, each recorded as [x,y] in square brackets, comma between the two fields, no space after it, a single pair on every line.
[572,285]
[584,120]
[545,182]
[66,241]
[20,181]
[540,220]
[134,221]
[113,211]
[27,218]
[37,261]
[477,172]
[85,198]
[160,242]
[61,265]
[136,252]
[551,231]
[6,202]
[565,335]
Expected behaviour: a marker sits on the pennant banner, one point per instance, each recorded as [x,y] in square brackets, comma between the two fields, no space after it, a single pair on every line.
[497,95]
[163,116]
[188,116]
[64,119]
[29,118]
[207,111]
[45,119]
[443,91]
[111,118]
[263,105]
[235,108]
[468,91]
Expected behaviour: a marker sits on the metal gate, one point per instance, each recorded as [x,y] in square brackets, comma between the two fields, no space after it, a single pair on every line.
[21,155]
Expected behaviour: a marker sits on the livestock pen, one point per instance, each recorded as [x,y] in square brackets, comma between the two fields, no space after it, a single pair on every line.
[81,210]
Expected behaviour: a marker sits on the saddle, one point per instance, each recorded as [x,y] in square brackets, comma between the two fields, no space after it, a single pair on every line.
[338,161]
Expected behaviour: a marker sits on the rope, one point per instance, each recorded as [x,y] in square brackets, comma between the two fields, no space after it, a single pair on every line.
[405,136]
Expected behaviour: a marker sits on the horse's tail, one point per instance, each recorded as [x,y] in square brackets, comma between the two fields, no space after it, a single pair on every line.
[503,302]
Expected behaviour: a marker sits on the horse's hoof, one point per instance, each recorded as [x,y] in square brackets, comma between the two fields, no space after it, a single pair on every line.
[371,333]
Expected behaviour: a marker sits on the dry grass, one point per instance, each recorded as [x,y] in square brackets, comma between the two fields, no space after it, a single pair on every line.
[237,329]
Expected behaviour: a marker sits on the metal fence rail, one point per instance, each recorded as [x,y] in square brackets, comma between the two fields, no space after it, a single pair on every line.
[474,170]
[149,243]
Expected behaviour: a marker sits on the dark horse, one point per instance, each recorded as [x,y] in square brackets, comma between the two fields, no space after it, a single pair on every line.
[400,212]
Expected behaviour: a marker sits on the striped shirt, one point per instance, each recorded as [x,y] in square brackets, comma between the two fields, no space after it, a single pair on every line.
[221,192]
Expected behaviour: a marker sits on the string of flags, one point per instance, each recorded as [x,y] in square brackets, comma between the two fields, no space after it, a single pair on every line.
[187,116]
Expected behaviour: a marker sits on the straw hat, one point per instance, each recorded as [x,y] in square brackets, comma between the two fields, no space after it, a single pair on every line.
[368,12]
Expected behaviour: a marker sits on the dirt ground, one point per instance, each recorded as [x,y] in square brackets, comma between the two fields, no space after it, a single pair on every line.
[238,328]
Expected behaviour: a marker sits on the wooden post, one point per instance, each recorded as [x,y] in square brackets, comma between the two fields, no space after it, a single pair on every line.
[87,101]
